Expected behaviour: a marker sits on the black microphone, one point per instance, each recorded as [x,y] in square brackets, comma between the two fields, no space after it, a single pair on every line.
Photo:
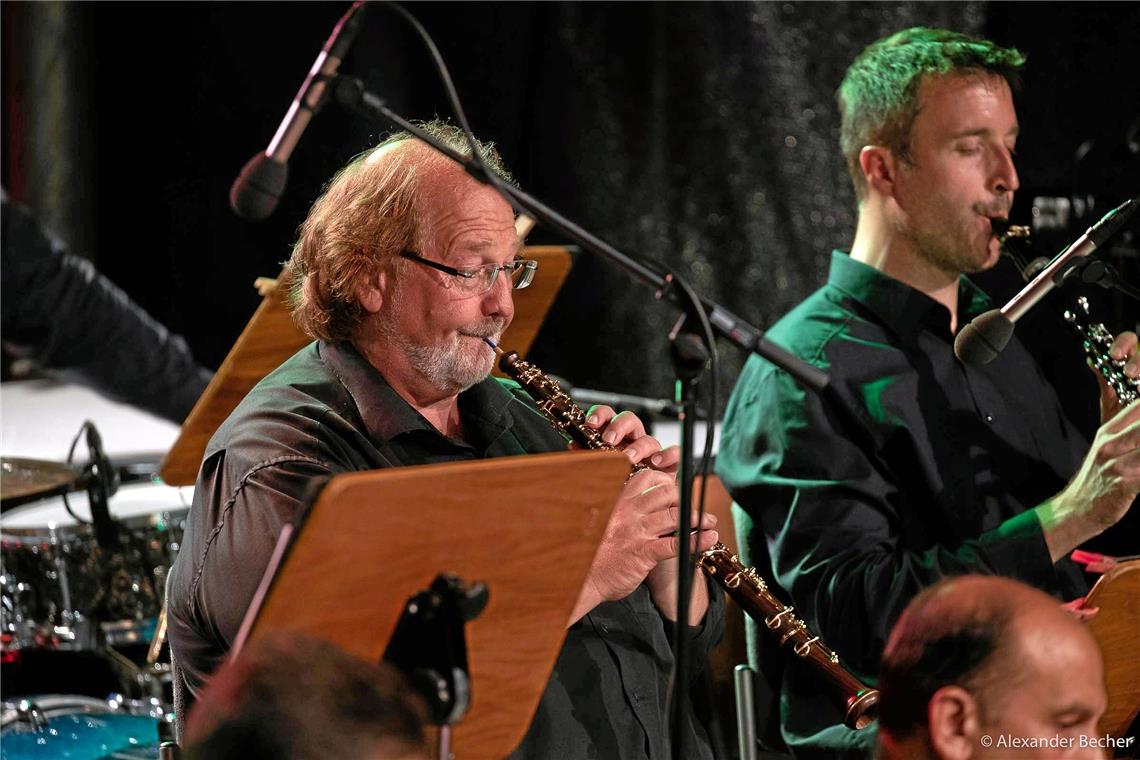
[257,189]
[102,483]
[985,337]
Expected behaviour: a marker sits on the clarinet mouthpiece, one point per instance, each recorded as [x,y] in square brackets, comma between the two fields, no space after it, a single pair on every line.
[1004,230]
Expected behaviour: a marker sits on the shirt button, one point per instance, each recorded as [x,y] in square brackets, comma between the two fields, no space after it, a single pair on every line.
[990,419]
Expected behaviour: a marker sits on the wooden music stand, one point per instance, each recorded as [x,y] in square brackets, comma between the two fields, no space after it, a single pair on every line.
[527,526]
[1117,629]
[271,337]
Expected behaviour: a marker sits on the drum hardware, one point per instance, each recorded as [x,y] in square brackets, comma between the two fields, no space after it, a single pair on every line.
[152,708]
[66,725]
[152,676]
[24,480]
[56,603]
[27,712]
[56,573]
[159,637]
[101,482]
[84,567]
[149,678]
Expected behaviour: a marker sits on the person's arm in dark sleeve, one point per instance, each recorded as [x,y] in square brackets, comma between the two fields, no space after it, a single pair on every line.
[705,635]
[58,310]
[235,524]
[832,519]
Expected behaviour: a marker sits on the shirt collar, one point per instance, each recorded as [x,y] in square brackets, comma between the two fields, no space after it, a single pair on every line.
[387,415]
[900,307]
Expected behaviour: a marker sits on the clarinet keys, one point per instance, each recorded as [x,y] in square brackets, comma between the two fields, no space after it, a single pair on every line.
[1097,342]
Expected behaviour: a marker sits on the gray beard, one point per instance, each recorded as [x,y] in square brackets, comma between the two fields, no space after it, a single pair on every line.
[450,368]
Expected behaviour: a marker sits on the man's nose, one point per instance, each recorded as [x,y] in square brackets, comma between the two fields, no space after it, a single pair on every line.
[499,300]
[1004,177]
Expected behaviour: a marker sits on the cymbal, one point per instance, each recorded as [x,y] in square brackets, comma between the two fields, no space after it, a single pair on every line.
[24,480]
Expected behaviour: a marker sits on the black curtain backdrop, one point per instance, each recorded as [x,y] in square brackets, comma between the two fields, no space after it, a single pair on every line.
[701,135]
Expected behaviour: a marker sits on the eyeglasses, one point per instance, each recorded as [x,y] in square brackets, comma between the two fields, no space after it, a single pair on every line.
[482,278]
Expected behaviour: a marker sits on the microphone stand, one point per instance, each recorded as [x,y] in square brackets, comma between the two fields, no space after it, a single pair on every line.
[689,361]
[1092,271]
[351,93]
[689,355]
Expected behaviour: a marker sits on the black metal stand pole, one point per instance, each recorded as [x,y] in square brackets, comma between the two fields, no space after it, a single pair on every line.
[689,356]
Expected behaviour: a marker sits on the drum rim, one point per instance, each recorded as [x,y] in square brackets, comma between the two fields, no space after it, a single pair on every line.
[127,494]
[62,705]
[64,532]
[52,706]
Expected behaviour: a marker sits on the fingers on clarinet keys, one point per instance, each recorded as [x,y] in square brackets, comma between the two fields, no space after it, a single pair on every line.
[1125,350]
[1115,360]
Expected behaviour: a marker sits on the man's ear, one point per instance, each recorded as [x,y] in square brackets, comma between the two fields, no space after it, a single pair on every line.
[954,723]
[370,295]
[879,165]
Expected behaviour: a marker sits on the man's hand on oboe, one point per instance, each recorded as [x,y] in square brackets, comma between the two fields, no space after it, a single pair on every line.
[626,432]
[662,580]
[639,537]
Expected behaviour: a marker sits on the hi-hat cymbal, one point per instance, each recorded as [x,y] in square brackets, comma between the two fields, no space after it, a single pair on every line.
[24,480]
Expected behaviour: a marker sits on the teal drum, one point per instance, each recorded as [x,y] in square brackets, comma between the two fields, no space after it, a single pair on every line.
[71,727]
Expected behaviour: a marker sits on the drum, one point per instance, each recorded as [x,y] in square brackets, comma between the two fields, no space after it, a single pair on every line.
[57,580]
[81,728]
[29,671]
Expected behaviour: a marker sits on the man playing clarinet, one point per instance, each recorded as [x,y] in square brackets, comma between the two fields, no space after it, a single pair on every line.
[915,466]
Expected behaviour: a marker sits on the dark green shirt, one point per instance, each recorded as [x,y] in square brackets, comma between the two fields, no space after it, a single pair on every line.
[326,411]
[911,468]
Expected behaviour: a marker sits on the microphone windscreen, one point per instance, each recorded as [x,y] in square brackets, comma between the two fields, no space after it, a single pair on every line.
[984,338]
[257,189]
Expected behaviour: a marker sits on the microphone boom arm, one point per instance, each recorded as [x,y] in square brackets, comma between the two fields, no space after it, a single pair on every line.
[350,92]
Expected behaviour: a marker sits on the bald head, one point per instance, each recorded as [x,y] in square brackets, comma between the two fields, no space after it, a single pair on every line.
[1008,650]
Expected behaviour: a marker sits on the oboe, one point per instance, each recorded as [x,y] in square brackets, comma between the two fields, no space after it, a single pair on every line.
[859,702]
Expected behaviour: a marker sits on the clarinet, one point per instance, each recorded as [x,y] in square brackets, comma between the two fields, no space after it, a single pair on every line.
[1096,341]
[858,701]
[1095,338]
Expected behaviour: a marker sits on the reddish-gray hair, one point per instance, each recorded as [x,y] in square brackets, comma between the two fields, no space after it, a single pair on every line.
[362,221]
